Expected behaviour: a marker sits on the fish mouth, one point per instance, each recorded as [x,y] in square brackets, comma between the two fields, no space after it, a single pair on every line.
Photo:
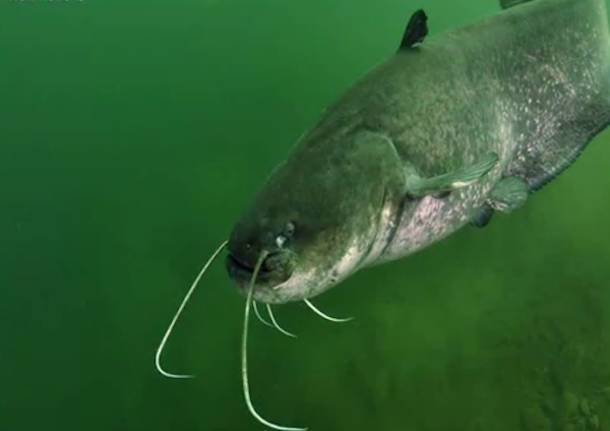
[242,271]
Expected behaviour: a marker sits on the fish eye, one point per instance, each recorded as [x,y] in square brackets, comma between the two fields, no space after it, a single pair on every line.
[280,240]
[286,235]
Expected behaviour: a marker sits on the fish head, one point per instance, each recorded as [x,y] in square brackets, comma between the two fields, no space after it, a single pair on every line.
[316,218]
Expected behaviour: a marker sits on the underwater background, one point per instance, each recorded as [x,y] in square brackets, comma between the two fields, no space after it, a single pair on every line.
[132,135]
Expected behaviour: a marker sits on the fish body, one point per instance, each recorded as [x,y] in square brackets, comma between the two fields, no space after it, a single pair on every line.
[530,80]
[446,132]
[467,123]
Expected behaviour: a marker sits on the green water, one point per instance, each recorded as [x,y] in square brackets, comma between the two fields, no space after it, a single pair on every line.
[132,135]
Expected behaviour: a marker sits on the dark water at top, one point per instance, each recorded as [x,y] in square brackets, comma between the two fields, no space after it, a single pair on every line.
[133,133]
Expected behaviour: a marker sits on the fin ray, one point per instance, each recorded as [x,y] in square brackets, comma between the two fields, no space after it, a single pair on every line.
[419,187]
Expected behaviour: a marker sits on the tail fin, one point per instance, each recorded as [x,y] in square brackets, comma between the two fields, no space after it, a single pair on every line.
[510,3]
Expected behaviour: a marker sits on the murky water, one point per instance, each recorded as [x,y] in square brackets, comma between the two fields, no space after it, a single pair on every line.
[133,133]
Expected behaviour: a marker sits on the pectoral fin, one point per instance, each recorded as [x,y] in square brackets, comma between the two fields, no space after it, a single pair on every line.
[418,187]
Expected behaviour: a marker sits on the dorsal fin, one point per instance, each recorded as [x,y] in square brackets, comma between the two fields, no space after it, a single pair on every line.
[510,3]
[416,31]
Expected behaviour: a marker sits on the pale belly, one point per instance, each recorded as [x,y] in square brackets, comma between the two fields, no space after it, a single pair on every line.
[433,219]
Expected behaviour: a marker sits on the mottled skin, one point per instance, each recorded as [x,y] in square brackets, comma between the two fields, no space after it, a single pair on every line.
[531,84]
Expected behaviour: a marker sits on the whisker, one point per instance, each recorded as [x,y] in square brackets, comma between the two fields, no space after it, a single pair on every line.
[326,316]
[277,326]
[244,353]
[177,315]
[258,315]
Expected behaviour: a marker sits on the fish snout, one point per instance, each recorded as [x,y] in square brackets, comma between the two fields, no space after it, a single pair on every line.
[275,269]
